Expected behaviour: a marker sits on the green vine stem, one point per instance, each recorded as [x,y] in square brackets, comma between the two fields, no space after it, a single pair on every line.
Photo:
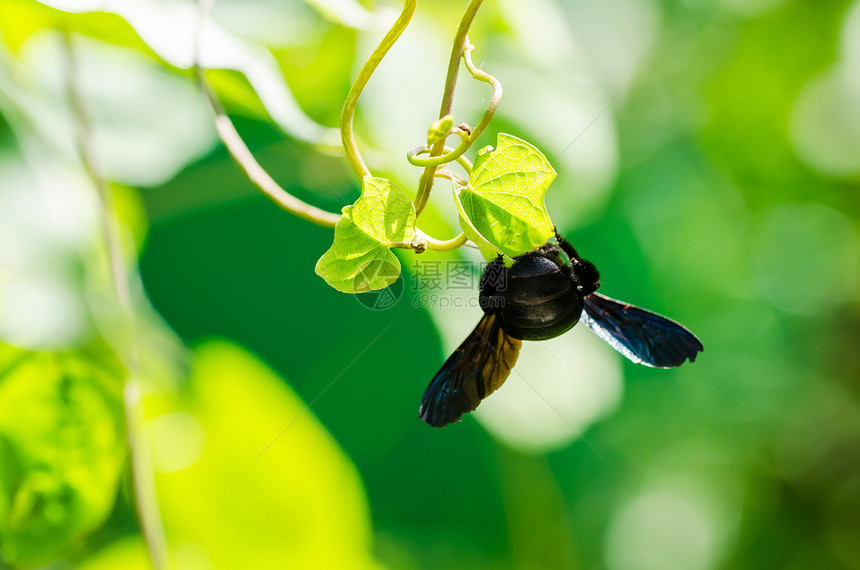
[449,245]
[346,117]
[442,173]
[241,153]
[423,242]
[467,138]
[265,183]
[486,78]
[425,183]
[413,154]
[465,143]
[255,173]
[142,472]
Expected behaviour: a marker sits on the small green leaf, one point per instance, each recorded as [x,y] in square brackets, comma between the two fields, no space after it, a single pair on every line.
[503,207]
[440,129]
[359,260]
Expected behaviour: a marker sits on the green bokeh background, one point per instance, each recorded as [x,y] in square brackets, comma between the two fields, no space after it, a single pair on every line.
[709,162]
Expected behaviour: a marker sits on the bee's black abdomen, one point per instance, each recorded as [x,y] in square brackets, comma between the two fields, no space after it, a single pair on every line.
[539,299]
[538,323]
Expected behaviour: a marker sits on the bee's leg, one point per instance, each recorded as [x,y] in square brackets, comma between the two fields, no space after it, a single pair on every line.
[586,274]
[567,247]
[494,281]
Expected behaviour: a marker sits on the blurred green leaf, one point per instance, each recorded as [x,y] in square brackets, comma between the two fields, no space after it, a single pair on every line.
[504,201]
[127,553]
[359,259]
[21,19]
[237,94]
[345,12]
[61,445]
[248,477]
[319,72]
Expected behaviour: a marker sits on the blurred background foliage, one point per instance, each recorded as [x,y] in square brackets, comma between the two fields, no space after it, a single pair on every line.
[708,154]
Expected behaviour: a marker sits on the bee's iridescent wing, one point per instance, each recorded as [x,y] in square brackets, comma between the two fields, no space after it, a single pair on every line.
[477,367]
[640,335]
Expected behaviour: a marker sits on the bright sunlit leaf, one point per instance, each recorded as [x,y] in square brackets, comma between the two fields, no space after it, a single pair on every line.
[270,488]
[359,260]
[127,553]
[21,19]
[504,202]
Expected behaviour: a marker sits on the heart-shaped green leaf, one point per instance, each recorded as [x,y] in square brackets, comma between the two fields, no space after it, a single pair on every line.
[359,260]
[502,209]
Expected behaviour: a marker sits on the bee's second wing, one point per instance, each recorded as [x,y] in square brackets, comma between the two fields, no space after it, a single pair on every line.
[640,335]
[478,367]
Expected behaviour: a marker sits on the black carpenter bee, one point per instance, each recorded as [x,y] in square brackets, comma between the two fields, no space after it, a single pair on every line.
[542,295]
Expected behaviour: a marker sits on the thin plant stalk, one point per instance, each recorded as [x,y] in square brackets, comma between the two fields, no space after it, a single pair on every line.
[348,113]
[425,183]
[143,477]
